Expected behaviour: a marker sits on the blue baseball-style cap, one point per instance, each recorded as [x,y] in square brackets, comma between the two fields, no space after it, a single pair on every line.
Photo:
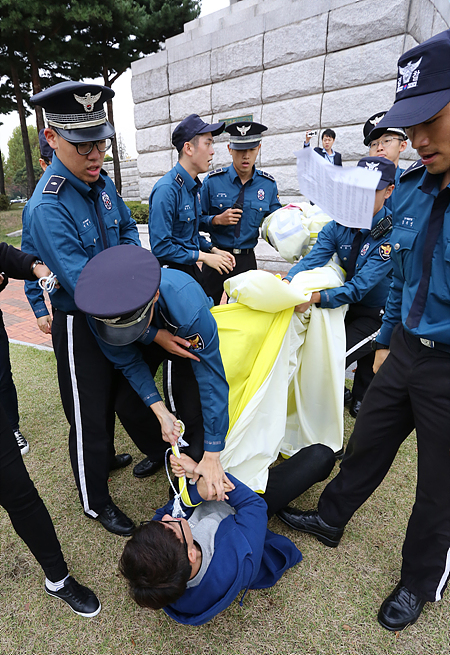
[385,166]
[190,127]
[245,135]
[117,288]
[44,148]
[75,110]
[423,83]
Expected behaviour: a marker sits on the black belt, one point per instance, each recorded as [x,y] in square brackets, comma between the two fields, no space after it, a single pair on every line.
[428,343]
[237,251]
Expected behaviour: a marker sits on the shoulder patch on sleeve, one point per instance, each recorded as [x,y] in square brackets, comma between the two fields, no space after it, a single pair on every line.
[217,171]
[54,184]
[417,165]
[179,180]
[385,251]
[196,341]
[267,175]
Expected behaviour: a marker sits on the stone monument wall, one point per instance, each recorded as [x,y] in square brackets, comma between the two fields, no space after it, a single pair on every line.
[130,178]
[293,65]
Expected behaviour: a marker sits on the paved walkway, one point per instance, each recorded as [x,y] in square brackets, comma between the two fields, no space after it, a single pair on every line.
[19,319]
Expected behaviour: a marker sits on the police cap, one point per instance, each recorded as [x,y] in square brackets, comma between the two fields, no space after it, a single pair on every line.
[44,148]
[372,132]
[385,166]
[245,135]
[117,287]
[190,127]
[423,83]
[75,110]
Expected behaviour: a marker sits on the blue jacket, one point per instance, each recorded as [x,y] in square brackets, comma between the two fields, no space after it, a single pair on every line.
[62,226]
[174,214]
[412,206]
[220,191]
[246,556]
[369,285]
[184,306]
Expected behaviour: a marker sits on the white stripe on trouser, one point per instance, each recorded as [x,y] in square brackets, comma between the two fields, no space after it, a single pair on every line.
[77,417]
[362,343]
[169,386]
[445,575]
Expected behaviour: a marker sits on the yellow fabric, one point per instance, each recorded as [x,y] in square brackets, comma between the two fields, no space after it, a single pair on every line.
[250,341]
[279,373]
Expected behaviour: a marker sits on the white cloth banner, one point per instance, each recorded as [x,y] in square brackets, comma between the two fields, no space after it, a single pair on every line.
[345,194]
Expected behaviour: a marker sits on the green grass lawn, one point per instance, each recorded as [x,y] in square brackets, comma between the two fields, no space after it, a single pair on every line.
[326,605]
[10,221]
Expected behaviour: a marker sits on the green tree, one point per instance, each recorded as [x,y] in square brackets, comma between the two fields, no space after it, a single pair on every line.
[15,168]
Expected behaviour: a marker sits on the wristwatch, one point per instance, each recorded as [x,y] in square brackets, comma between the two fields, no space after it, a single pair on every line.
[35,263]
[379,346]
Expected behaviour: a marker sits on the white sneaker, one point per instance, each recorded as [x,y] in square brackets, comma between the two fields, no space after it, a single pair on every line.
[21,442]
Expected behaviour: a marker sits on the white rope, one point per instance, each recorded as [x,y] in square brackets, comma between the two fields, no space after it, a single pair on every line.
[48,282]
[177,510]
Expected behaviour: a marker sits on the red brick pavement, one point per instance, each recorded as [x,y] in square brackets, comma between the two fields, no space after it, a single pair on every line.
[19,319]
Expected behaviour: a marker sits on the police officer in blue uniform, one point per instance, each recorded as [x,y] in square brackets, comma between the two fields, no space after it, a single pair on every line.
[147,315]
[385,142]
[365,257]
[174,204]
[74,213]
[411,386]
[235,200]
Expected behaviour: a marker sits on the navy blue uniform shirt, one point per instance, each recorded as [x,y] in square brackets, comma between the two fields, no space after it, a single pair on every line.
[370,282]
[412,206]
[174,214]
[220,191]
[183,304]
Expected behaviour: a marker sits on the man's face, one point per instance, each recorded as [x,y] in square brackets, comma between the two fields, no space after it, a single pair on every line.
[202,152]
[327,143]
[175,527]
[381,195]
[85,167]
[391,148]
[431,139]
[244,160]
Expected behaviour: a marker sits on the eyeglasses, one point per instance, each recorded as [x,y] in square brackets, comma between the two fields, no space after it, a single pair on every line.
[181,528]
[88,146]
[384,142]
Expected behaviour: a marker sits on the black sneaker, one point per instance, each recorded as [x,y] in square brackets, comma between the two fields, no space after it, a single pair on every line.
[80,599]
[21,442]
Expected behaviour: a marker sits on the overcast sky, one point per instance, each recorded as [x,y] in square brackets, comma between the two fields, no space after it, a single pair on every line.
[123,102]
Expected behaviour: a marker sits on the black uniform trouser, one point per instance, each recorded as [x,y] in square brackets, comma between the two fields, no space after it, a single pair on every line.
[360,324]
[213,280]
[26,510]
[8,394]
[411,389]
[293,476]
[191,269]
[91,390]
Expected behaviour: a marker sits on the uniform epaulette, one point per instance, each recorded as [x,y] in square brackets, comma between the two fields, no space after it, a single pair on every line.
[264,174]
[54,184]
[417,165]
[179,180]
[217,171]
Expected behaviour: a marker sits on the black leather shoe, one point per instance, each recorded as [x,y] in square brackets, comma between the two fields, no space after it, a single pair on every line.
[114,520]
[80,599]
[311,523]
[339,454]
[400,609]
[146,467]
[355,406]
[347,396]
[120,461]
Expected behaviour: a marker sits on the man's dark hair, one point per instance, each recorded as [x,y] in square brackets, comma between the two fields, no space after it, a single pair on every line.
[195,139]
[155,563]
[45,159]
[330,133]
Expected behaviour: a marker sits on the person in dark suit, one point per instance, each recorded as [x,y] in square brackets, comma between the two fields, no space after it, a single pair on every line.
[327,152]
